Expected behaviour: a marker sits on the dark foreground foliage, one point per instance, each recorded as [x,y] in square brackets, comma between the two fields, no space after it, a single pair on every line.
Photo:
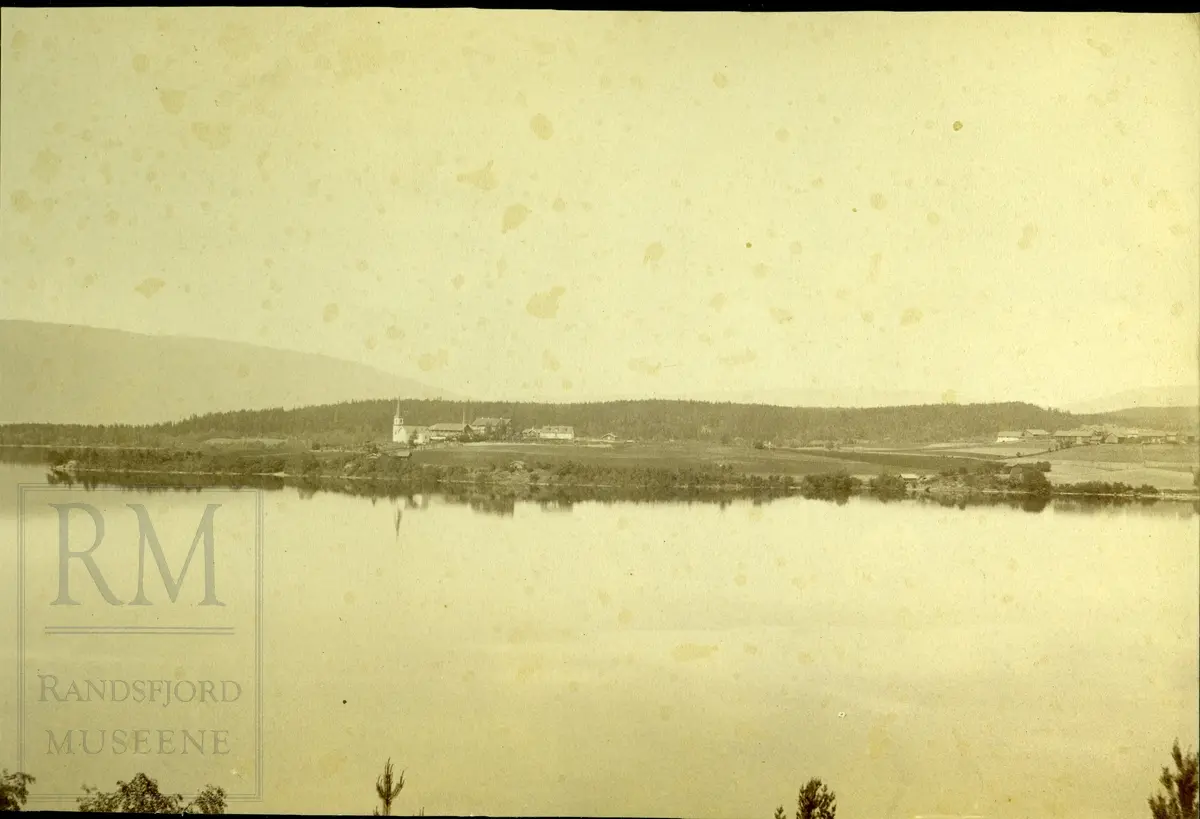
[1179,797]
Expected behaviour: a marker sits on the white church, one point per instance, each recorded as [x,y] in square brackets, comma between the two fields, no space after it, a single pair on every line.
[407,435]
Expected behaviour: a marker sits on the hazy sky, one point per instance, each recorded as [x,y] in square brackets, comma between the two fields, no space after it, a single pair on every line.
[569,206]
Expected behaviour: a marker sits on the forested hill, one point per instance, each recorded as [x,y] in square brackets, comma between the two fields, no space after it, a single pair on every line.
[362,421]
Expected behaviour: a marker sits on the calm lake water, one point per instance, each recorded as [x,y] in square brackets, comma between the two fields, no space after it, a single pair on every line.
[700,660]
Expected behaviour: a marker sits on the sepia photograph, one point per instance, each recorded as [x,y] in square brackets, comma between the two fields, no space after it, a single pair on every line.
[477,412]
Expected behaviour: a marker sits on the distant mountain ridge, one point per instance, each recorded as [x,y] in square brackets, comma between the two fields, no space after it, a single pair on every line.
[1146,397]
[1167,418]
[71,374]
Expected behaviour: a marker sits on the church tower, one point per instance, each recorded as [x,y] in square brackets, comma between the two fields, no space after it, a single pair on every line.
[399,432]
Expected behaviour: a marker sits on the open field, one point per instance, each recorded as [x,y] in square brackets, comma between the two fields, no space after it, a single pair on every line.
[1176,478]
[1166,466]
[650,456]
[990,450]
[908,460]
[1144,454]
[684,455]
[1130,454]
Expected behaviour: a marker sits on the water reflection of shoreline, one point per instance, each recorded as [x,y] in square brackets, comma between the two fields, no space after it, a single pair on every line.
[502,502]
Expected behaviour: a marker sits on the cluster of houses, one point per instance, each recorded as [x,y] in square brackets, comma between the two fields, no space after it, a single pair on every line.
[551,433]
[486,428]
[1093,434]
[417,434]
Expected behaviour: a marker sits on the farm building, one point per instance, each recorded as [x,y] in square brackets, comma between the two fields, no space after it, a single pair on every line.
[1008,436]
[447,432]
[1072,437]
[491,427]
[1126,436]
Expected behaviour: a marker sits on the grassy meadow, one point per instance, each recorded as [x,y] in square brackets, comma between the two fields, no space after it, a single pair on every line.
[696,454]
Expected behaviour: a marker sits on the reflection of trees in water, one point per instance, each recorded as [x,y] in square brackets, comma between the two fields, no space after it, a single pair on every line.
[1026,503]
[564,499]
[22,455]
[1085,504]
[1071,505]
[502,501]
[411,503]
[1158,507]
[484,503]
[155,483]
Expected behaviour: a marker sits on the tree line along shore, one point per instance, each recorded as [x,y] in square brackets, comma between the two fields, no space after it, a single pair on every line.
[524,477]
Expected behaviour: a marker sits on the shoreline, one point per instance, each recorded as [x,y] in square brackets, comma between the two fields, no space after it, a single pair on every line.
[325,470]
